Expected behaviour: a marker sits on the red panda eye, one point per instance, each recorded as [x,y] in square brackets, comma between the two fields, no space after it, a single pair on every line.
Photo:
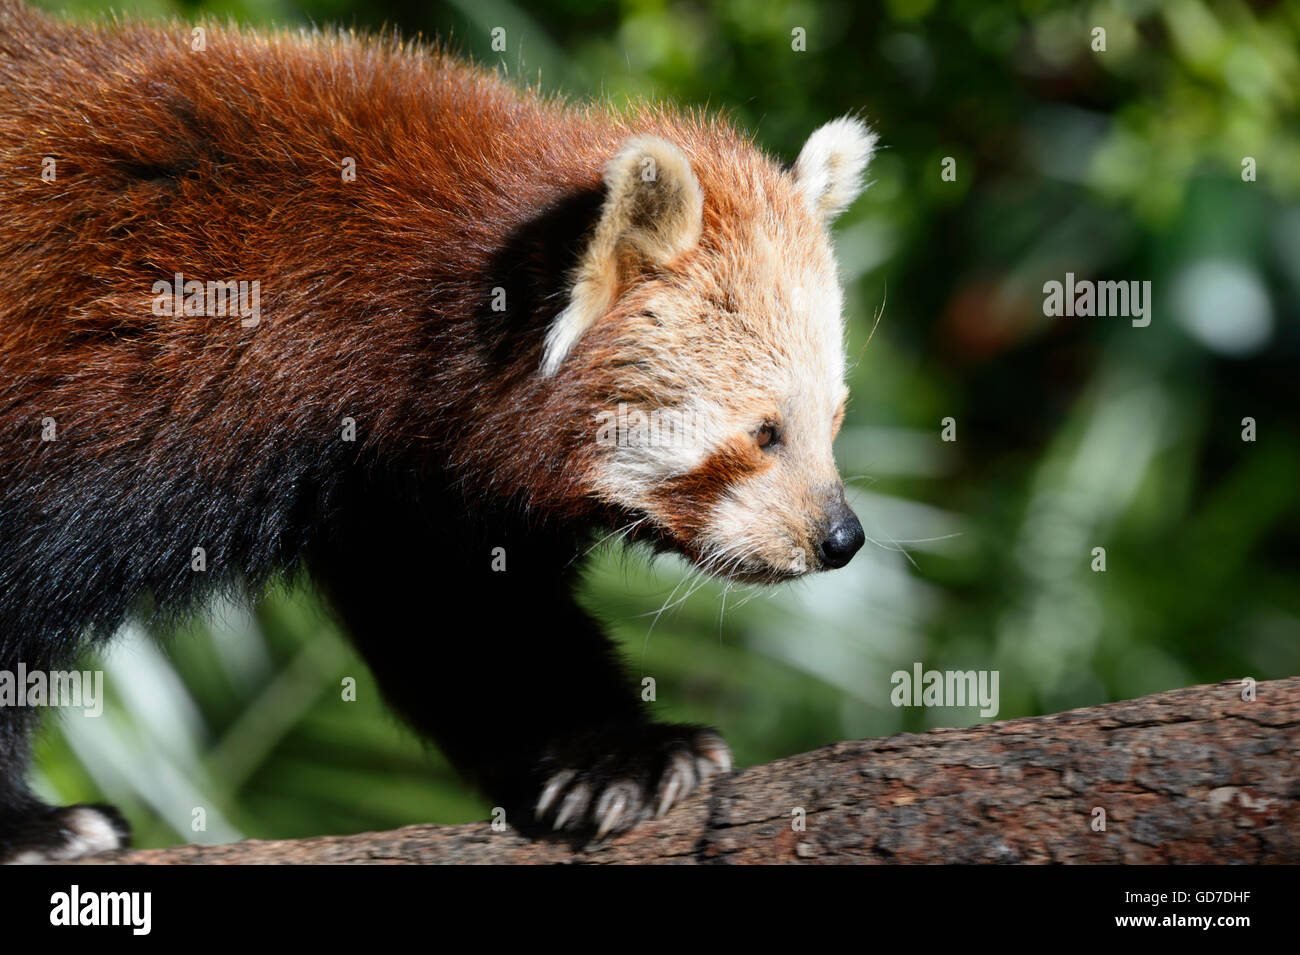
[767,436]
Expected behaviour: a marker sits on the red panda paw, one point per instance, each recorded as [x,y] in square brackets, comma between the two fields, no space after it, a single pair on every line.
[64,834]
[629,776]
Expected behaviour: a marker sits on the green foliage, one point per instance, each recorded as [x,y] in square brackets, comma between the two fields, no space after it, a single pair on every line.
[1072,433]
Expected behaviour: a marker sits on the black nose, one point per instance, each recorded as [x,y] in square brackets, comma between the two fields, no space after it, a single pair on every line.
[843,540]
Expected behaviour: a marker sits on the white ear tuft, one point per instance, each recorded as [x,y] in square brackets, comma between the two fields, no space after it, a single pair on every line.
[653,211]
[830,165]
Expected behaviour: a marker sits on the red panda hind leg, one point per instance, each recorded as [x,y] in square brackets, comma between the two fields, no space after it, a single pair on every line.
[61,833]
[30,830]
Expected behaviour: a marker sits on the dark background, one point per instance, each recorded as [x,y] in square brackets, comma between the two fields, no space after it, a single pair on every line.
[1072,433]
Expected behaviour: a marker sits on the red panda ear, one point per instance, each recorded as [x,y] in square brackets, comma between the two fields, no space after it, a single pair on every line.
[652,212]
[830,166]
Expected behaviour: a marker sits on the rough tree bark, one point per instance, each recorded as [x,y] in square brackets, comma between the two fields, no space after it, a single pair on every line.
[1194,775]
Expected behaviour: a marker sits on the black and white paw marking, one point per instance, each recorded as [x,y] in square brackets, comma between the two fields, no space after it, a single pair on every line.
[628,777]
[67,833]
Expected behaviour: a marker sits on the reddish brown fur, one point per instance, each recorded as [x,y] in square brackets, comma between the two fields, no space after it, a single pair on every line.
[687,500]
[226,165]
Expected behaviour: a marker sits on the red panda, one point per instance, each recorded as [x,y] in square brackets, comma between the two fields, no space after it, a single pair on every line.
[313,303]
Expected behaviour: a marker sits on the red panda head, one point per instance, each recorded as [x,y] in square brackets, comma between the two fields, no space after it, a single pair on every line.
[704,320]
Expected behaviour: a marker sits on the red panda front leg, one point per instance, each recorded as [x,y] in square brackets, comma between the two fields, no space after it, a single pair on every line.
[525,694]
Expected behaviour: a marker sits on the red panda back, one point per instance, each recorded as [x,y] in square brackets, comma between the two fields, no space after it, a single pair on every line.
[226,164]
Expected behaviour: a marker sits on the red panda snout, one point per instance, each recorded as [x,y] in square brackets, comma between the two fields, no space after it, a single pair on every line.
[780,524]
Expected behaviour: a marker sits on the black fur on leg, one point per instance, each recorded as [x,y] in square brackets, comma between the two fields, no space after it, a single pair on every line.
[524,693]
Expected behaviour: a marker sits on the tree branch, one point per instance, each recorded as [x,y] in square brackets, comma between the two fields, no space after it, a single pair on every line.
[1194,775]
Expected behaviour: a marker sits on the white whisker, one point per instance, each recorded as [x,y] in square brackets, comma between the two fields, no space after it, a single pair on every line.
[621,532]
